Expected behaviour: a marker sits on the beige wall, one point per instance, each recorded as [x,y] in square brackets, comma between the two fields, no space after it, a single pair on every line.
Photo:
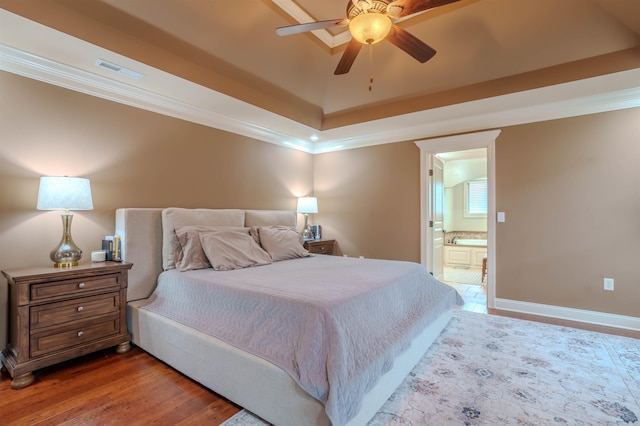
[369,199]
[134,158]
[571,189]
[571,192]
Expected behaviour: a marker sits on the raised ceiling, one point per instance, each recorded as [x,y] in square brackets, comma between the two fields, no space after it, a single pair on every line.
[486,48]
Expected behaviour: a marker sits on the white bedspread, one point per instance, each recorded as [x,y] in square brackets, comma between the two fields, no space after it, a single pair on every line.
[334,324]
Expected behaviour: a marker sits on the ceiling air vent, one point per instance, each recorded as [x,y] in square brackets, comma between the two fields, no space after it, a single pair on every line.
[120,70]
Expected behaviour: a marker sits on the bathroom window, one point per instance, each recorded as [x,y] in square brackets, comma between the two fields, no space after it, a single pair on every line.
[475,198]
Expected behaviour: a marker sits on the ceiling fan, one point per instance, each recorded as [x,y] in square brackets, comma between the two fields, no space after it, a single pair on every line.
[371,21]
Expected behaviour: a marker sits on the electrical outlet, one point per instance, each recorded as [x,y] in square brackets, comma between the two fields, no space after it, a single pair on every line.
[608,284]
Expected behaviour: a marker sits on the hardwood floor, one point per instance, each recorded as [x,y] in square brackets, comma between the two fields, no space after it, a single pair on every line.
[106,388]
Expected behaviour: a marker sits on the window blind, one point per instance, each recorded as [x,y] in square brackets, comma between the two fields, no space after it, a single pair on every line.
[477,197]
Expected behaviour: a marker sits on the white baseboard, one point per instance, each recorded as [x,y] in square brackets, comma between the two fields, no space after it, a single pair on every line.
[580,315]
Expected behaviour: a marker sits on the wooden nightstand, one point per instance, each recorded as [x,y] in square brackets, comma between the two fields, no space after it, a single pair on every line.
[320,246]
[58,314]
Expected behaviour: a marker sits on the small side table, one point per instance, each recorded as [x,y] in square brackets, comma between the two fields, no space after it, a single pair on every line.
[320,246]
[56,314]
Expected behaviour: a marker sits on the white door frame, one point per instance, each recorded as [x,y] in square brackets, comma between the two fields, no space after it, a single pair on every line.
[434,146]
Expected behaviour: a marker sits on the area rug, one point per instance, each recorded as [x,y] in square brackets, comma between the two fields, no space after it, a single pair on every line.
[492,370]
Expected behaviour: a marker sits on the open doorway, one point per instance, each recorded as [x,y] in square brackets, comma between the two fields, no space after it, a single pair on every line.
[433,233]
[464,219]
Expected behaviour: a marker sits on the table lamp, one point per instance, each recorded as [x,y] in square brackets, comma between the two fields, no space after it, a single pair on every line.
[65,193]
[307,205]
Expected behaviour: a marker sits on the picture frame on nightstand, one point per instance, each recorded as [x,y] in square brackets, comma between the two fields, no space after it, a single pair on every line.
[316,230]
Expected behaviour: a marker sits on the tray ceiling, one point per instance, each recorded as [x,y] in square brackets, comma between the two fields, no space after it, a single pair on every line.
[486,48]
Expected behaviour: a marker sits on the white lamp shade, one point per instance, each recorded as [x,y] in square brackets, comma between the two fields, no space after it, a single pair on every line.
[307,205]
[62,192]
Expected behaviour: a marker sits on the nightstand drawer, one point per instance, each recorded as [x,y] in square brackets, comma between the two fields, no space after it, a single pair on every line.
[66,288]
[320,246]
[323,249]
[72,310]
[48,341]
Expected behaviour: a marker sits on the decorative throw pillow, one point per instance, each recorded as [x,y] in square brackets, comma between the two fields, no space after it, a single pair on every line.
[228,250]
[174,217]
[255,231]
[190,254]
[282,244]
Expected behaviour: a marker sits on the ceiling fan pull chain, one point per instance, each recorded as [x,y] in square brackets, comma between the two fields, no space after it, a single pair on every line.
[370,66]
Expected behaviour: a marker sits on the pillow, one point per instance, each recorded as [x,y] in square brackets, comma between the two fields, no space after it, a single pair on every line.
[255,231]
[189,253]
[282,244]
[228,250]
[173,217]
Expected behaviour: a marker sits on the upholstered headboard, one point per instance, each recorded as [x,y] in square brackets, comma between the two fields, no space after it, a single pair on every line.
[145,231]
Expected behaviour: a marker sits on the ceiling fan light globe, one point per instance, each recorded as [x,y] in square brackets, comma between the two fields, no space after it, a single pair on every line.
[370,28]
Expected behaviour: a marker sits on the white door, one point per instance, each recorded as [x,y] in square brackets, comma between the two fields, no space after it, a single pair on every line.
[436,216]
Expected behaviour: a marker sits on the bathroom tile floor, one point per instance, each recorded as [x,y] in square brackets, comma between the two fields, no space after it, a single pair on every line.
[466,281]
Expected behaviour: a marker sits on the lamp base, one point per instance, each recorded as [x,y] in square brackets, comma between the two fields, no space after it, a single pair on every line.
[67,253]
[65,265]
[306,232]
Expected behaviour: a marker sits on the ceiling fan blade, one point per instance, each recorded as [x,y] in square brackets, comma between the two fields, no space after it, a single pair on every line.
[311,26]
[415,47]
[402,8]
[349,55]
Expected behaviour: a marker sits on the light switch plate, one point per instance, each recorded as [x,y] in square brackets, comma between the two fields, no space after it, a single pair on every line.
[501,217]
[608,284]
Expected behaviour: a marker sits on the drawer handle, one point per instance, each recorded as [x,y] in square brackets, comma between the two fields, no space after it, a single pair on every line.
[81,285]
[80,333]
[80,308]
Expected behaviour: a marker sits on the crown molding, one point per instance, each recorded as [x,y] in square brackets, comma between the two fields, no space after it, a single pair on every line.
[204,106]
[581,97]
[52,72]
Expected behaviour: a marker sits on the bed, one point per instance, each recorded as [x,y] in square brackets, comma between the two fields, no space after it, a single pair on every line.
[296,339]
